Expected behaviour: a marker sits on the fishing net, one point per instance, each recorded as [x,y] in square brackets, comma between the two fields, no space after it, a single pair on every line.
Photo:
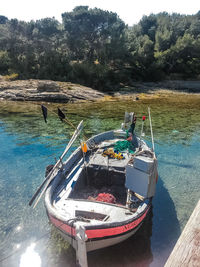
[123,146]
[106,197]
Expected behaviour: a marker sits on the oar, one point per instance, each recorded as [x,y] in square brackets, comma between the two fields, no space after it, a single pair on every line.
[49,176]
[62,117]
[46,179]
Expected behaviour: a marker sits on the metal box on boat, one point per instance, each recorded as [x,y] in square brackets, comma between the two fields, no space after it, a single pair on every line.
[141,176]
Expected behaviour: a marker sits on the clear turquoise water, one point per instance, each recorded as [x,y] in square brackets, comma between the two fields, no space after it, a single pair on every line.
[28,145]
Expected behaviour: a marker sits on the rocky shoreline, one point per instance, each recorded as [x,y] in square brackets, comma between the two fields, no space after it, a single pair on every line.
[63,92]
[47,91]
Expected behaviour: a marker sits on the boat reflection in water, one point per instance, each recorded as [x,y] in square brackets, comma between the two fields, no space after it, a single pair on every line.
[135,251]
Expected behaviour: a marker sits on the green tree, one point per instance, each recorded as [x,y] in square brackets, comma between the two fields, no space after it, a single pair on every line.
[96,48]
[149,26]
[3,19]
[93,33]
[4,62]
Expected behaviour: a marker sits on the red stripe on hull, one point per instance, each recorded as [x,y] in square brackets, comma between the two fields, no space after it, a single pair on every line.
[61,225]
[98,233]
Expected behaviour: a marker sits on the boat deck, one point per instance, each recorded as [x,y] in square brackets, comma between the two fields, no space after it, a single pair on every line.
[95,212]
[97,158]
[93,175]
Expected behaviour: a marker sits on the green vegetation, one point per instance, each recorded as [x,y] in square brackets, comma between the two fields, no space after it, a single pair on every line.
[11,77]
[95,48]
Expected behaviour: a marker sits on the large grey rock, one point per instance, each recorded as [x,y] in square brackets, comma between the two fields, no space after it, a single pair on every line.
[50,91]
[48,86]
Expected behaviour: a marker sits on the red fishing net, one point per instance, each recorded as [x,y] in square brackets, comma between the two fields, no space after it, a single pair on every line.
[106,197]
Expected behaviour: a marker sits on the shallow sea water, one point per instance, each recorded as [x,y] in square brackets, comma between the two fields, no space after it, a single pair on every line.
[28,145]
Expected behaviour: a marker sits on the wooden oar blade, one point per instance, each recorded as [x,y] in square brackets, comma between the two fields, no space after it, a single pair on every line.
[61,115]
[44,112]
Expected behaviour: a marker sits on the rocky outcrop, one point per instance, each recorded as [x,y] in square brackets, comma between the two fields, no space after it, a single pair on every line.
[51,91]
[45,90]
[178,85]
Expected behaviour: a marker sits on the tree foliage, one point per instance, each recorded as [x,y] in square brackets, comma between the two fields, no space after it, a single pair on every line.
[95,48]
[93,34]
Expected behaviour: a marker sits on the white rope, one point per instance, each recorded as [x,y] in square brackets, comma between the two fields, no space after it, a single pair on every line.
[151,129]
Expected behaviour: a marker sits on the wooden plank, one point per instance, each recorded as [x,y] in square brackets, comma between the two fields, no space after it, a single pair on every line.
[187,249]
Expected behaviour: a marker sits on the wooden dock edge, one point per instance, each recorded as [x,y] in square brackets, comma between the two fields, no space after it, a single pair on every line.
[187,249]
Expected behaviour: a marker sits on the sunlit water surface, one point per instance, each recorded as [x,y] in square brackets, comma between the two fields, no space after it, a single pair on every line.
[28,145]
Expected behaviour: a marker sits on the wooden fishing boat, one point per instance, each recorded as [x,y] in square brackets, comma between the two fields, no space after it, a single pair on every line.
[100,196]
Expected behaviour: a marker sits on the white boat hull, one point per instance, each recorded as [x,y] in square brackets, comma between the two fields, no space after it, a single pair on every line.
[101,237]
[94,245]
